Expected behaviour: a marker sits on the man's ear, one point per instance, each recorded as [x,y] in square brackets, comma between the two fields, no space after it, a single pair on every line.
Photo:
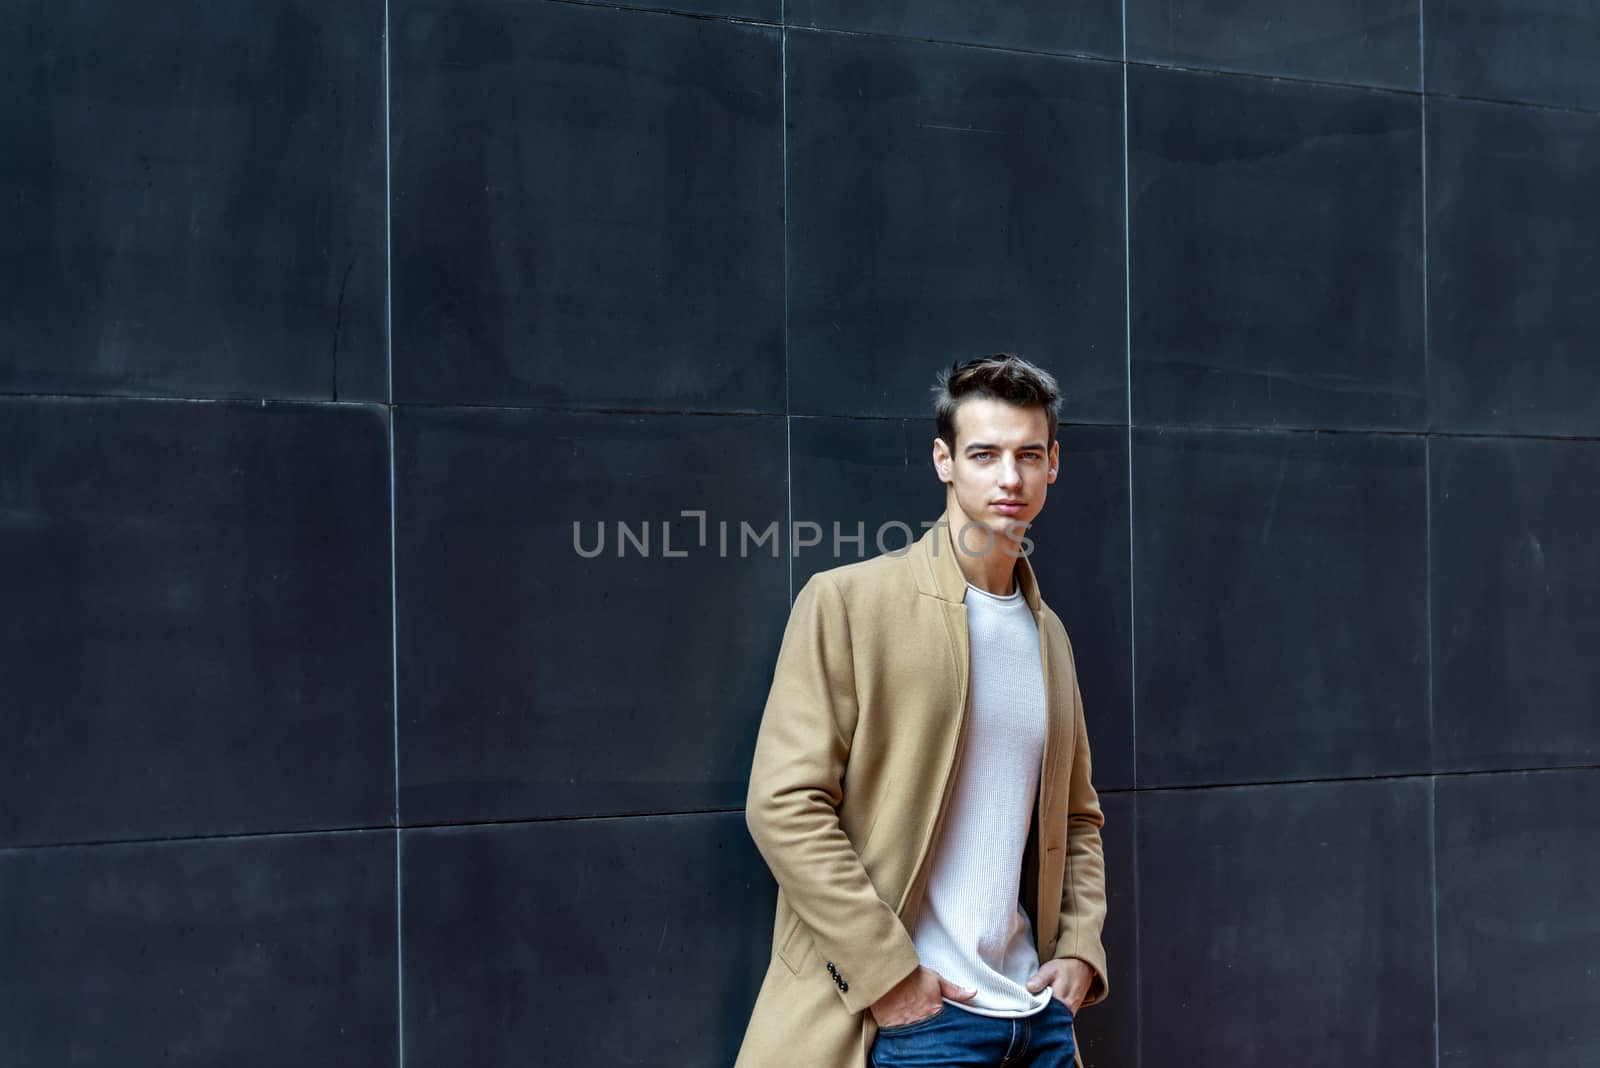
[941,459]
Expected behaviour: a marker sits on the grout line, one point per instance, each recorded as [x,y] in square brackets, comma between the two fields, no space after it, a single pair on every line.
[394,612]
[388,227]
[1138,944]
[697,16]
[178,398]
[1133,644]
[1422,47]
[614,409]
[514,821]
[915,418]
[1427,512]
[1427,341]
[380,828]
[1427,582]
[788,434]
[399,958]
[1370,432]
[1127,351]
[394,616]
[734,810]
[185,839]
[1328,780]
[1533,105]
[1427,516]
[1433,901]
[976,46]
[754,413]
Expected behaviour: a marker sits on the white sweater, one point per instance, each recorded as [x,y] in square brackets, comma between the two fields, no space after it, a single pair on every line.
[972,929]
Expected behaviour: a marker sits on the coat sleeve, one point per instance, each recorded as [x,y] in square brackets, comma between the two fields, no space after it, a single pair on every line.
[1083,885]
[792,808]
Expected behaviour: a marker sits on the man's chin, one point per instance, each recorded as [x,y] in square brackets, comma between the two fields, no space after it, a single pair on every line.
[1002,529]
[1013,526]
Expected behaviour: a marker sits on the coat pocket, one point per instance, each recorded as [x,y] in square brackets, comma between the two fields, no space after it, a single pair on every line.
[796,944]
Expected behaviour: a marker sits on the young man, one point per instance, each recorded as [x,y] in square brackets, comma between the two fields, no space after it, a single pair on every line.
[921,784]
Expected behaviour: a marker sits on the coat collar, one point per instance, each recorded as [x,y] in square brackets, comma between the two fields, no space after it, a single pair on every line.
[939,574]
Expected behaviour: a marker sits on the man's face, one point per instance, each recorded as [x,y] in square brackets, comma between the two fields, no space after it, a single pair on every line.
[1002,465]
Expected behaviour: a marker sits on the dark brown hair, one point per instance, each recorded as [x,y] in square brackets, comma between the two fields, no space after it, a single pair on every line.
[1002,376]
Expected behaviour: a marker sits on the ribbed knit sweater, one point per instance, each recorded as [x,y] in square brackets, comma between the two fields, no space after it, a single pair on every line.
[972,929]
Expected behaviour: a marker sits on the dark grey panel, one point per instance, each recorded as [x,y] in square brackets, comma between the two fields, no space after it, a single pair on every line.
[865,476]
[1108,1033]
[1515,623]
[537,682]
[946,202]
[1092,28]
[588,207]
[616,942]
[1280,605]
[197,638]
[1287,924]
[1276,253]
[1538,50]
[1366,42]
[193,198]
[259,951]
[1513,269]
[1518,873]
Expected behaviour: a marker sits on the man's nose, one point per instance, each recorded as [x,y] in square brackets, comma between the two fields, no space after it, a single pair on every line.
[1010,473]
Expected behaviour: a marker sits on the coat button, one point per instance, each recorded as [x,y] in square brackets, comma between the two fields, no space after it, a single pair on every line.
[844,987]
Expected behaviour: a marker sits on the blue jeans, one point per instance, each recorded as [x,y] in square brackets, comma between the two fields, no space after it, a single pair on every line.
[956,1038]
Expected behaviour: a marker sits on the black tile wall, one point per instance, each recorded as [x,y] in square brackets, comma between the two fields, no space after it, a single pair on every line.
[1108,1033]
[1536,50]
[536,681]
[946,202]
[1253,299]
[628,942]
[1280,605]
[205,644]
[650,257]
[588,207]
[1093,27]
[1286,924]
[874,478]
[1515,566]
[1366,42]
[1513,268]
[193,198]
[1518,872]
[256,951]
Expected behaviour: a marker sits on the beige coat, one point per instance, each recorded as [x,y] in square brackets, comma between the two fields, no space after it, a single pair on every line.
[853,763]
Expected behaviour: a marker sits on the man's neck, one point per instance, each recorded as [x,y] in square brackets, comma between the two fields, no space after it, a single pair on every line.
[988,563]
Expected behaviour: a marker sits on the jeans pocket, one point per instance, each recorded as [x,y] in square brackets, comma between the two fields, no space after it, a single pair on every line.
[914,1025]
